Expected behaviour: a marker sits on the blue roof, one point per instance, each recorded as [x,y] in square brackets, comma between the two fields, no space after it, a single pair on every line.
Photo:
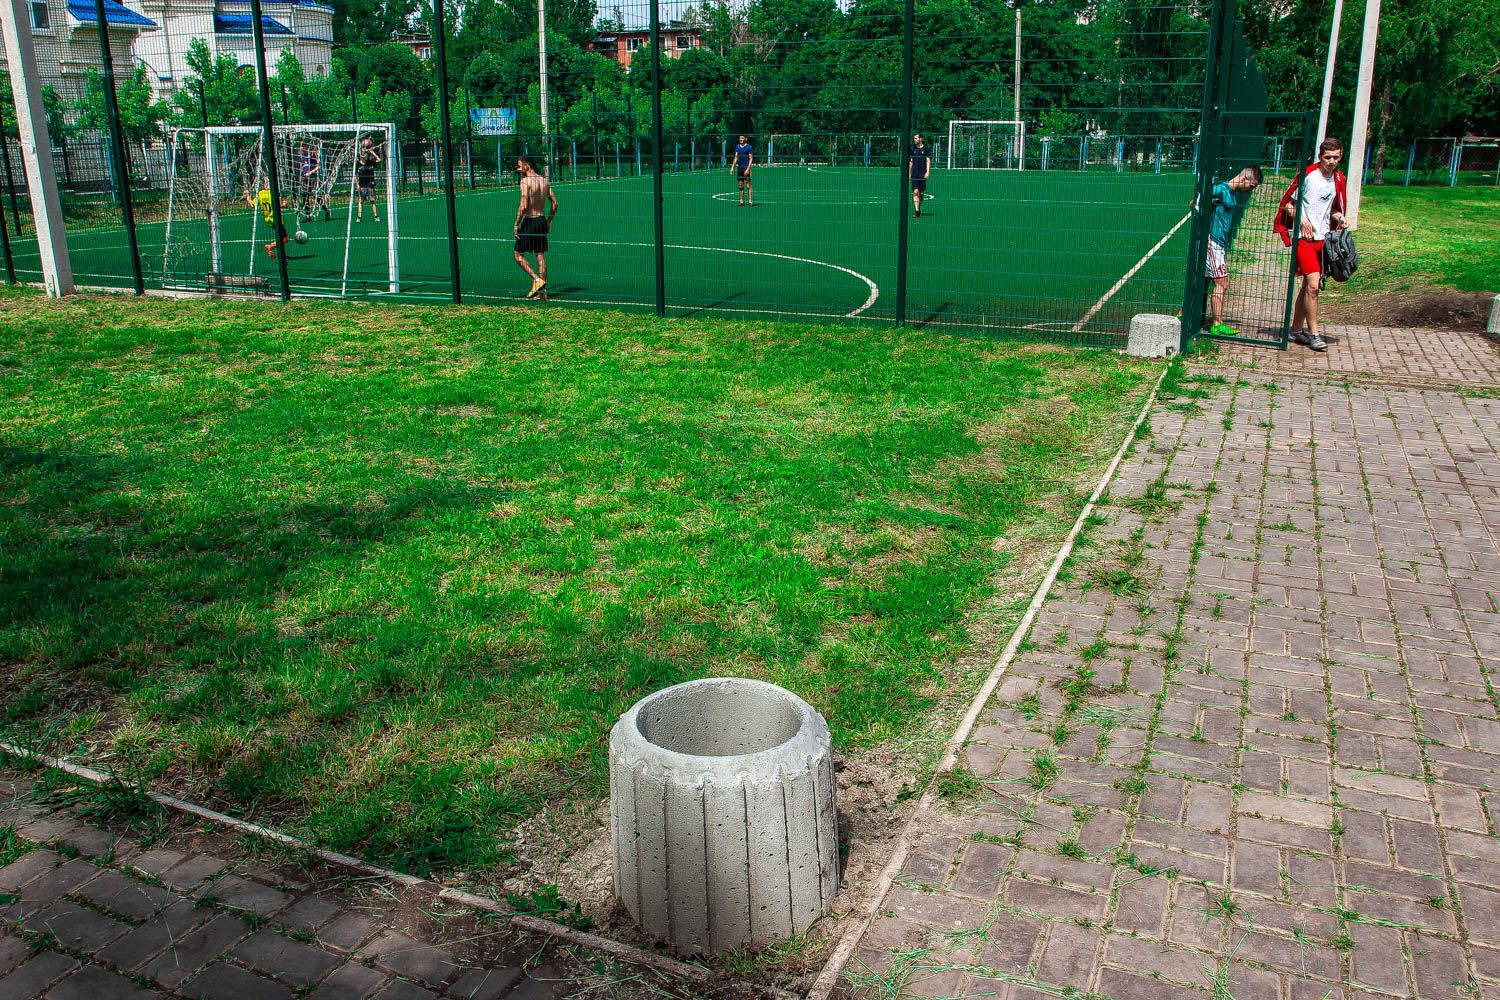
[241,24]
[114,13]
[298,3]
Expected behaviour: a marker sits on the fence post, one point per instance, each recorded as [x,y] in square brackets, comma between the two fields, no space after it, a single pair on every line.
[469,138]
[903,168]
[10,261]
[117,148]
[1215,88]
[268,144]
[656,169]
[445,123]
[10,182]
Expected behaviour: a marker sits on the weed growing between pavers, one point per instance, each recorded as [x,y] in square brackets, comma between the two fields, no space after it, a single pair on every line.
[12,847]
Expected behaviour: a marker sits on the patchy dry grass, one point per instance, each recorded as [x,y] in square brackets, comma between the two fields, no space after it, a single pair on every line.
[388,574]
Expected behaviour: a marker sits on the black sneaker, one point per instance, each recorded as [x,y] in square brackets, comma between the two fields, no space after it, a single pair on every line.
[1300,337]
[1317,342]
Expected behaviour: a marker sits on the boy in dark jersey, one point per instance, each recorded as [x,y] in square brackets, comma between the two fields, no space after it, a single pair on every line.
[744,159]
[364,180]
[917,163]
[307,181]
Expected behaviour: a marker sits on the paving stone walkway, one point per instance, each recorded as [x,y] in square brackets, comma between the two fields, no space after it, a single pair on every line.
[1389,355]
[91,915]
[1251,748]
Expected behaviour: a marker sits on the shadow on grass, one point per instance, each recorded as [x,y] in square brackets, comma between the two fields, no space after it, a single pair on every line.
[105,599]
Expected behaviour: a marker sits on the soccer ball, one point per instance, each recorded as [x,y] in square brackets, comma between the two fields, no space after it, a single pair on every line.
[300,236]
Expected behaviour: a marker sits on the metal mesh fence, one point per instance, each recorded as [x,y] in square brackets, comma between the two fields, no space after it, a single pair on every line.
[1060,223]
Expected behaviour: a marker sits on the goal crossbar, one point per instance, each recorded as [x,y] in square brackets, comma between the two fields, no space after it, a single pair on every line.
[1011,132]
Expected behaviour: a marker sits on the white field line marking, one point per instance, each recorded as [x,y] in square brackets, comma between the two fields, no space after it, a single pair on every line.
[637,956]
[869,301]
[823,988]
[795,200]
[1094,309]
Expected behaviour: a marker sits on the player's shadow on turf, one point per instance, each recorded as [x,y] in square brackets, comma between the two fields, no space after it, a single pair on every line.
[695,310]
[935,315]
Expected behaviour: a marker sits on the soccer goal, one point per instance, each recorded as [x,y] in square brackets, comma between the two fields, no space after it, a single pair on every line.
[986,145]
[219,193]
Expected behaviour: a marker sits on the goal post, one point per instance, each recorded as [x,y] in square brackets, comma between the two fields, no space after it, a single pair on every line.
[215,234]
[986,144]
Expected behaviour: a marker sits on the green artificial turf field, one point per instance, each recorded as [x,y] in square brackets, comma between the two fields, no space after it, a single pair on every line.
[1071,255]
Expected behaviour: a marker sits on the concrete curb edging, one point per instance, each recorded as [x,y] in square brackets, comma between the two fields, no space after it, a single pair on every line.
[525,921]
[722,815]
[833,969]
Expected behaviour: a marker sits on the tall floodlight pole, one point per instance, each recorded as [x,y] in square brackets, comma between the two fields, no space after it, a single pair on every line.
[541,35]
[117,148]
[1362,111]
[36,147]
[1333,51]
[657,166]
[1018,61]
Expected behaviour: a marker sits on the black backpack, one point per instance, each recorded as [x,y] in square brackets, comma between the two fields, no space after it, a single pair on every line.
[1340,259]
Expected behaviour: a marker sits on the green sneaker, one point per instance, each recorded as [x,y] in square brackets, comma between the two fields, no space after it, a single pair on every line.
[1224,330]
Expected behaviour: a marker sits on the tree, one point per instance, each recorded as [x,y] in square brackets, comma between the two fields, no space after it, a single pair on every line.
[141,117]
[217,87]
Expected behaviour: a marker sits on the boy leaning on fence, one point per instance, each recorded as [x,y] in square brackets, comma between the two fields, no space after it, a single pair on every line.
[1229,200]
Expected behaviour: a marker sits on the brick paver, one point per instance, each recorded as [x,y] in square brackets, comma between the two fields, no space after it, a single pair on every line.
[1251,746]
[88,914]
[1390,355]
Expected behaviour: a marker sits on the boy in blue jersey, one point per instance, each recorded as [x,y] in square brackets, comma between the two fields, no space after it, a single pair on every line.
[918,161]
[1229,201]
[744,159]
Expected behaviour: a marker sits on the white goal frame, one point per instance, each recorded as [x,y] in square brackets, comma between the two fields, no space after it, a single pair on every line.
[1017,131]
[222,187]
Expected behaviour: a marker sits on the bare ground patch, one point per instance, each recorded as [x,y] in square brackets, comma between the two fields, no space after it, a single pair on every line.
[1430,307]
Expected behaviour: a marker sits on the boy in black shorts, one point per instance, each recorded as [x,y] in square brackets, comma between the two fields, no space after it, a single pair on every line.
[532,226]
[364,180]
[744,159]
[917,163]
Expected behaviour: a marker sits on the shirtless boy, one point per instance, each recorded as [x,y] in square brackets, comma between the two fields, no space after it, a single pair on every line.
[532,226]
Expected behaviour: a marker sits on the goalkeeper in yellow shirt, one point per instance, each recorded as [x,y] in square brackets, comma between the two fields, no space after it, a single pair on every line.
[262,200]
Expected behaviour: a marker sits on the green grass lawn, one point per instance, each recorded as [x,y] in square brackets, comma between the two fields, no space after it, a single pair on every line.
[1436,236]
[387,574]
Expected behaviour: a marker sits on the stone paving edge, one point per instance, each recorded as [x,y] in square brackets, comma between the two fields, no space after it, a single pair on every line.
[848,942]
[473,901]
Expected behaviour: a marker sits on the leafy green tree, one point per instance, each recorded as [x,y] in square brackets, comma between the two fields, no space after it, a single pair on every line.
[217,86]
[141,117]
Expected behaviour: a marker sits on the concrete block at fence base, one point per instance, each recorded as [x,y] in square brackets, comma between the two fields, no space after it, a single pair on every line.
[721,796]
[1153,335]
[1494,324]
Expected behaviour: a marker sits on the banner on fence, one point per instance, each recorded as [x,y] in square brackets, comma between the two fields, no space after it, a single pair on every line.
[493,121]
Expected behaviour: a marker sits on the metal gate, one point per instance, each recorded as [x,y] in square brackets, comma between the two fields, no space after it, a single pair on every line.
[1255,299]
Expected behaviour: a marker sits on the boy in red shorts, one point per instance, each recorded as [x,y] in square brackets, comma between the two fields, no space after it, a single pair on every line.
[1324,195]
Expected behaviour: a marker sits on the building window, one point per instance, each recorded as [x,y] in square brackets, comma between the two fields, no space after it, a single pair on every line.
[684,41]
[631,44]
[41,19]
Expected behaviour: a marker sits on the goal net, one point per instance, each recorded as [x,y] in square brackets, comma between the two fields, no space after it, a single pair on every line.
[986,145]
[218,199]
